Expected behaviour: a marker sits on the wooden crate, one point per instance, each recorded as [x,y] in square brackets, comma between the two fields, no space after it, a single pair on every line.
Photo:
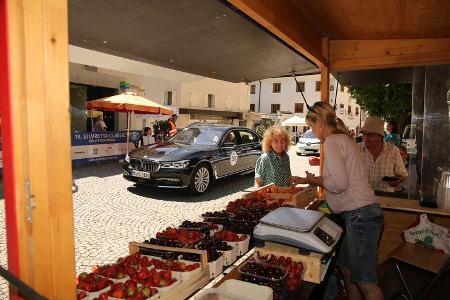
[187,287]
[313,269]
[302,199]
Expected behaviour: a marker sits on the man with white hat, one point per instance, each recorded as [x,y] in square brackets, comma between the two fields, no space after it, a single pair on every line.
[384,163]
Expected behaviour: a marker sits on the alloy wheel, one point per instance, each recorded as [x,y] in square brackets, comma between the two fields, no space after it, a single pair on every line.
[201,180]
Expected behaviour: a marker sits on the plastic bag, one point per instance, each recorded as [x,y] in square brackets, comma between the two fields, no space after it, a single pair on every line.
[428,234]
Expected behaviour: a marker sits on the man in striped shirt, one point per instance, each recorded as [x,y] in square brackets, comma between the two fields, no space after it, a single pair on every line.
[382,159]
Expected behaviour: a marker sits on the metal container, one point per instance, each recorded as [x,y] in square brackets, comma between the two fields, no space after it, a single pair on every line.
[442,187]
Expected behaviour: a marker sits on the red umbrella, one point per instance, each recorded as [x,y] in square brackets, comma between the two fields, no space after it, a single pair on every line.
[129,102]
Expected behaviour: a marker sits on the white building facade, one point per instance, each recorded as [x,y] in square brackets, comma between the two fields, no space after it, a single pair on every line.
[281,96]
[194,98]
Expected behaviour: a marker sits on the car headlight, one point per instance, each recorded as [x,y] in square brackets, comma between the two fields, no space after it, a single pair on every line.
[175,164]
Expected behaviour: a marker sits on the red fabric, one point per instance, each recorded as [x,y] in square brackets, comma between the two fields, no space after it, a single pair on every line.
[8,149]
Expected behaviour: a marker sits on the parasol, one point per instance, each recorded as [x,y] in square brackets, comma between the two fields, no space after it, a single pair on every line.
[128,102]
[294,121]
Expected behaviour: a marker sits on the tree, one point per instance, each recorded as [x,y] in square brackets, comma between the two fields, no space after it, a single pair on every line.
[389,101]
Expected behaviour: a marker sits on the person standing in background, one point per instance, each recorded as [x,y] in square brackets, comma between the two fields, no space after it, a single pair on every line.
[392,136]
[99,125]
[382,159]
[172,124]
[147,137]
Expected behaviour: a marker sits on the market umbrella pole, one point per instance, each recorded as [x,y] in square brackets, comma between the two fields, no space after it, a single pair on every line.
[128,133]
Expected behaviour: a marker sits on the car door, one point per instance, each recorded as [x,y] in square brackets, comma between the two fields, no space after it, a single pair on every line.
[228,158]
[249,149]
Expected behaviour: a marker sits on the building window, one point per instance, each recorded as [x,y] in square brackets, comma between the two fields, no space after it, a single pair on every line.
[274,108]
[356,111]
[300,86]
[349,110]
[298,108]
[211,100]
[331,88]
[252,107]
[342,88]
[317,86]
[168,98]
[276,88]
[252,89]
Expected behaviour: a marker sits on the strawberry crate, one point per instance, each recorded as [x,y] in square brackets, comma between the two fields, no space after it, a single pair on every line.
[183,288]
[299,197]
[230,256]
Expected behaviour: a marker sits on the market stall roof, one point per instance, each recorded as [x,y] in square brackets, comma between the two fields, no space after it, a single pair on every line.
[246,40]
[204,37]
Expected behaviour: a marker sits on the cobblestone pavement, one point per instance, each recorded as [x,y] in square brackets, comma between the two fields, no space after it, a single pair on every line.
[109,211]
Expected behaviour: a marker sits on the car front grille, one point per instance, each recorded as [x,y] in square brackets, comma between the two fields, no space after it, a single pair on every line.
[144,165]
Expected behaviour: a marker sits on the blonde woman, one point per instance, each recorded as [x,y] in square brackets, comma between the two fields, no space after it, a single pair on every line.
[273,166]
[348,193]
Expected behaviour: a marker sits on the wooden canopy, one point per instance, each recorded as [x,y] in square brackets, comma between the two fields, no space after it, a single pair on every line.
[362,35]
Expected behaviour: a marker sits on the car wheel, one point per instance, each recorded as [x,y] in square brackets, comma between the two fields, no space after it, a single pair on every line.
[200,179]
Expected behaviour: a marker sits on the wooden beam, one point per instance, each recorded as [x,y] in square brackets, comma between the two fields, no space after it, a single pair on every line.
[325,73]
[283,19]
[40,126]
[324,94]
[349,55]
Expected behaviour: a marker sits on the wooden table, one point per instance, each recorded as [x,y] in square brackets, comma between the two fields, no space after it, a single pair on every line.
[399,214]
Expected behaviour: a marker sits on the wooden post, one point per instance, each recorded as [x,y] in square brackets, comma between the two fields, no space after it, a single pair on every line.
[324,89]
[37,162]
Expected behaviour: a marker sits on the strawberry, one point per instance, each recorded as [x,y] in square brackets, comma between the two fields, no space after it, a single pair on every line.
[103,296]
[163,283]
[120,294]
[81,295]
[118,286]
[146,292]
[96,269]
[143,274]
[166,275]
[131,291]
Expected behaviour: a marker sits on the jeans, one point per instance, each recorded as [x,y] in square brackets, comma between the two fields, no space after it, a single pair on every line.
[360,245]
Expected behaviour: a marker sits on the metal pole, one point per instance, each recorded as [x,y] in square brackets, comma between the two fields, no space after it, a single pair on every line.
[259,100]
[128,133]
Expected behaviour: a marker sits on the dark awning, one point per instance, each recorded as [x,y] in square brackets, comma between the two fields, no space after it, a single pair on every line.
[203,37]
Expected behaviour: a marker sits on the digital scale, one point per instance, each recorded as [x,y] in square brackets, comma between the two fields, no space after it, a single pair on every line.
[300,228]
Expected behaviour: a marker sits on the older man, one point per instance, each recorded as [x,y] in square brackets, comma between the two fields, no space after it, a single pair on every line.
[384,163]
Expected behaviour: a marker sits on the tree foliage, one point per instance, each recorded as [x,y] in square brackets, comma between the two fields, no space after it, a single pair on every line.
[389,101]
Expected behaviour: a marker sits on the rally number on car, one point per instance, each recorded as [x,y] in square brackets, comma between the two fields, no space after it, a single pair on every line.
[233,158]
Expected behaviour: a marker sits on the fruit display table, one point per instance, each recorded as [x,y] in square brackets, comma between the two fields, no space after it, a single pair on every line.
[178,262]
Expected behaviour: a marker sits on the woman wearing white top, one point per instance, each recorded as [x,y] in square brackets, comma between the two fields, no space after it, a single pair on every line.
[146,137]
[348,193]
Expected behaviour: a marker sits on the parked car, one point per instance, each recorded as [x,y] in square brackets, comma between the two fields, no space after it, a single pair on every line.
[194,157]
[308,144]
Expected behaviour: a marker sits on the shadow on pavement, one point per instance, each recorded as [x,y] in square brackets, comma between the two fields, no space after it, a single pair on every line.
[101,169]
[219,188]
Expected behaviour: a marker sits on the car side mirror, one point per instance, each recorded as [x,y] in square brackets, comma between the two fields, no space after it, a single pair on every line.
[228,145]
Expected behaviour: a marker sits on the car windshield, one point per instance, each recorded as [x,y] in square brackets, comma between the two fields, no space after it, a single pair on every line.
[309,135]
[198,136]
